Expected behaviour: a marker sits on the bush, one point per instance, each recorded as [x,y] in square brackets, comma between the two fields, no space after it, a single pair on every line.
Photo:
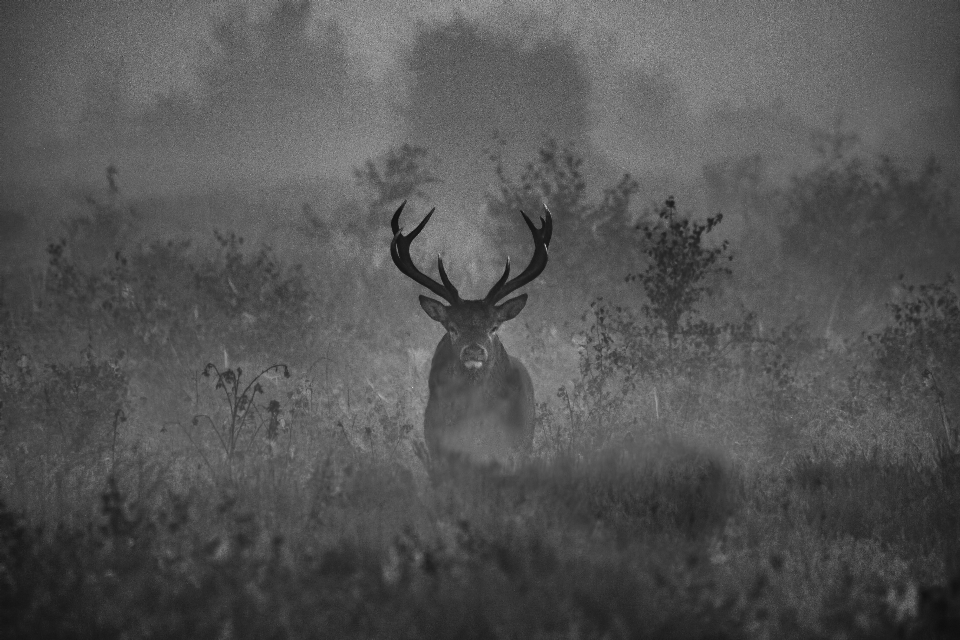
[668,343]
[255,297]
[161,298]
[925,335]
[856,496]
[858,223]
[921,349]
[594,234]
[63,408]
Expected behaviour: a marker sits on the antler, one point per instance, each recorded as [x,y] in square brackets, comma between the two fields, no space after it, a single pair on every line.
[400,252]
[541,239]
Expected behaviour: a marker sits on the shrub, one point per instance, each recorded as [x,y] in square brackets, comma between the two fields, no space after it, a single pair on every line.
[63,408]
[668,341]
[679,272]
[858,223]
[922,349]
[161,299]
[596,247]
[924,335]
[255,297]
[403,173]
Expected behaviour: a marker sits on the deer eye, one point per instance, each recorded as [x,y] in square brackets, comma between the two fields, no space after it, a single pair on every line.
[454,334]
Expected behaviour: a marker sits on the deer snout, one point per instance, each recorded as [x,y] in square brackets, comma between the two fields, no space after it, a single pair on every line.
[473,356]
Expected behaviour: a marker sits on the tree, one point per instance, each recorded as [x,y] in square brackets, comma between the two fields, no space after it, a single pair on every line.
[399,174]
[680,268]
[592,233]
[668,342]
[860,225]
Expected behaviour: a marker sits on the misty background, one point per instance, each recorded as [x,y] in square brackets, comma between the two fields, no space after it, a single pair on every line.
[256,117]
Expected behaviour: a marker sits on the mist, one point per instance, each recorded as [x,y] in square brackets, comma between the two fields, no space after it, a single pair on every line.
[716,385]
[239,116]
[187,99]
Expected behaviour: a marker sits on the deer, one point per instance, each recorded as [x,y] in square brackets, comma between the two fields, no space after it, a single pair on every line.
[480,407]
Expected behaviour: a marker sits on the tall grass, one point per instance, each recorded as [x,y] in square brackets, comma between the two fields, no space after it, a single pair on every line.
[692,477]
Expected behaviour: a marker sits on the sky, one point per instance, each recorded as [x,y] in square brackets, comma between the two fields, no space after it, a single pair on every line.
[185,96]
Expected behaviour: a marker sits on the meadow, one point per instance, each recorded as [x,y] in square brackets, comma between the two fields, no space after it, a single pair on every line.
[211,441]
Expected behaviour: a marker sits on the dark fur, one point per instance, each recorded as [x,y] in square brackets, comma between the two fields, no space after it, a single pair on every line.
[485,414]
[481,405]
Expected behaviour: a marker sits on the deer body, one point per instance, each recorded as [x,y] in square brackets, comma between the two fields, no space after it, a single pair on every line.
[481,403]
[488,418]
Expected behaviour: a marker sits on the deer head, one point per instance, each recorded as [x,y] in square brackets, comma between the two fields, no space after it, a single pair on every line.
[472,324]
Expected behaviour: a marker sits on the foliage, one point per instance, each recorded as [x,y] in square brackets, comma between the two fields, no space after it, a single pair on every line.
[679,270]
[402,174]
[258,289]
[393,430]
[100,226]
[590,232]
[67,408]
[657,486]
[162,297]
[612,546]
[149,298]
[850,216]
[924,334]
[554,177]
[66,283]
[781,385]
[243,414]
[851,495]
[669,339]
[670,363]
[838,529]
[860,225]
[920,350]
[595,402]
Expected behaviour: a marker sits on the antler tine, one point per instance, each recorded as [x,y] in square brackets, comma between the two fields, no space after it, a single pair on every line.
[395,220]
[400,252]
[499,283]
[446,281]
[541,240]
[548,232]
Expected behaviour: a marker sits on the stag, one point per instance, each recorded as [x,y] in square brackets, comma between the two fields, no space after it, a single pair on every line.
[481,405]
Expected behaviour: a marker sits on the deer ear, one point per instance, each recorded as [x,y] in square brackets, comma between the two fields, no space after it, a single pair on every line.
[434,309]
[509,309]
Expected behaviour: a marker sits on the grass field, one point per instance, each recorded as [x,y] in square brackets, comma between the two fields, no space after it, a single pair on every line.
[724,483]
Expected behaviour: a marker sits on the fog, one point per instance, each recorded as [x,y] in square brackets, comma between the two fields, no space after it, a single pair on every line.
[239,113]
